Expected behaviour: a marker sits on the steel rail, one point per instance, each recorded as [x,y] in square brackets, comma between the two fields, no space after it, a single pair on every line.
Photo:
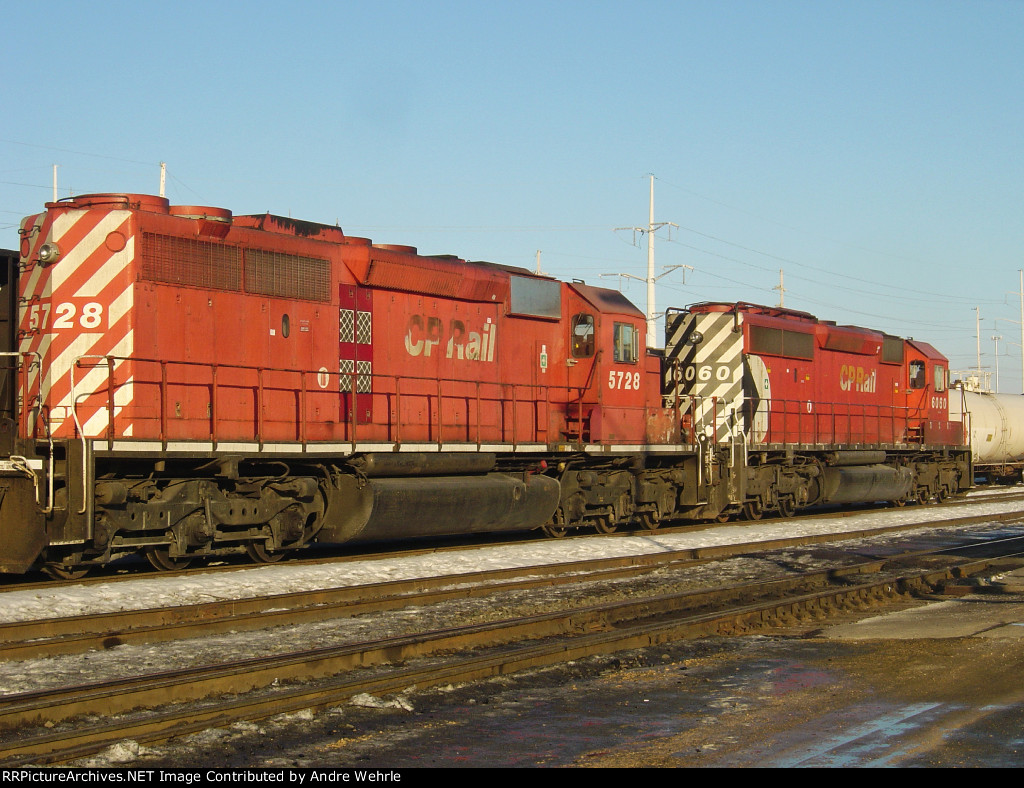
[519,643]
[75,634]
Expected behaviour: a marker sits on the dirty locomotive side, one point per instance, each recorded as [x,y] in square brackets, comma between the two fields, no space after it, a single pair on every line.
[181,382]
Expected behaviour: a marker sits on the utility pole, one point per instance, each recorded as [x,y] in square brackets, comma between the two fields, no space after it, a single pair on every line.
[163,179]
[977,334]
[650,229]
[55,183]
[996,338]
[1021,294]
[782,291]
[652,333]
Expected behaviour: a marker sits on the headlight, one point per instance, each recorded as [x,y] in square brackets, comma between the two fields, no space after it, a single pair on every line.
[48,253]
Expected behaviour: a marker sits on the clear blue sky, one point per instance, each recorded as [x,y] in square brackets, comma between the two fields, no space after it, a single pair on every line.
[872,150]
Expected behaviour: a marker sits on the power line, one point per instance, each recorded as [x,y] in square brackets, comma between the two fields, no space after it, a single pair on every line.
[76,152]
[832,274]
[787,226]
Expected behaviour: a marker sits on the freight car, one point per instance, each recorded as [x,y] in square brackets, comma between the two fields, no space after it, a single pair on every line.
[190,382]
[996,427]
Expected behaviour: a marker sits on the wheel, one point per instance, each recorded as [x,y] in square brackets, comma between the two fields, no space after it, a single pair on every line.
[161,559]
[752,510]
[787,506]
[899,502]
[922,495]
[650,520]
[941,495]
[723,517]
[61,572]
[604,525]
[557,529]
[260,555]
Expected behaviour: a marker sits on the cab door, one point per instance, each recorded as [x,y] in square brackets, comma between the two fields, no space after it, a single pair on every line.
[620,380]
[606,359]
[582,362]
[917,395]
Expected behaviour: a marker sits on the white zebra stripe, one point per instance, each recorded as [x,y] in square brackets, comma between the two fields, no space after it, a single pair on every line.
[96,425]
[59,345]
[713,375]
[117,264]
[121,305]
[32,283]
[72,258]
[94,378]
[85,341]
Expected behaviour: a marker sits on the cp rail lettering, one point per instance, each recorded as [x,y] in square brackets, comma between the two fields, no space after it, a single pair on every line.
[425,334]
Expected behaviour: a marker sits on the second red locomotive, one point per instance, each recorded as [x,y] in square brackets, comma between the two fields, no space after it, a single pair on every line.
[190,382]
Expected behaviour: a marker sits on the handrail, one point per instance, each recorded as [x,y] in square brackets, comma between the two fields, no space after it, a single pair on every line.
[801,422]
[100,361]
[506,399]
[505,412]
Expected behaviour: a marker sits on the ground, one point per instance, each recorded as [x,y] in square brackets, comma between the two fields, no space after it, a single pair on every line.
[792,698]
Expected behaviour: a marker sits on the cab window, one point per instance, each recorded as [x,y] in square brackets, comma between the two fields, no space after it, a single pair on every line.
[917,376]
[940,378]
[627,343]
[582,336]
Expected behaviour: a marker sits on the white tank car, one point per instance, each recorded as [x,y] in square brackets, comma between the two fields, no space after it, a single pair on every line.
[997,428]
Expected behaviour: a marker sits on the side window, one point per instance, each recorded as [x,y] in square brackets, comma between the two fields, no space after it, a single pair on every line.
[582,336]
[940,378]
[627,343]
[917,377]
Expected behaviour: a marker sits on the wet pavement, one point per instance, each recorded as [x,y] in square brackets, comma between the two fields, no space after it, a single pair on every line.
[751,701]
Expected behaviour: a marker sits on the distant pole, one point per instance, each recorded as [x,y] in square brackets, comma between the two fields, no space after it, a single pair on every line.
[652,331]
[55,183]
[782,291]
[1021,329]
[996,339]
[538,261]
[977,334]
[163,179]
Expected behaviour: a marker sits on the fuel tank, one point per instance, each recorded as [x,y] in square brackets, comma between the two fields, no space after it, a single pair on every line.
[865,483]
[372,509]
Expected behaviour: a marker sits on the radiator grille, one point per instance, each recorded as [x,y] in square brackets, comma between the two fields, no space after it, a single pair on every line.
[287,275]
[190,261]
[217,266]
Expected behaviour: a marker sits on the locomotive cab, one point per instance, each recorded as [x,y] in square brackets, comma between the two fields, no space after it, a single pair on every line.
[607,370]
[926,396]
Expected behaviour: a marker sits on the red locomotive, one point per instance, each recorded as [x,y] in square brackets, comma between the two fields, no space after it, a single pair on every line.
[821,413]
[189,382]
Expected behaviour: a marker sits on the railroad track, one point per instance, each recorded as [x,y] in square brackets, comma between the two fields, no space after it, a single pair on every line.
[47,637]
[191,699]
[127,571]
